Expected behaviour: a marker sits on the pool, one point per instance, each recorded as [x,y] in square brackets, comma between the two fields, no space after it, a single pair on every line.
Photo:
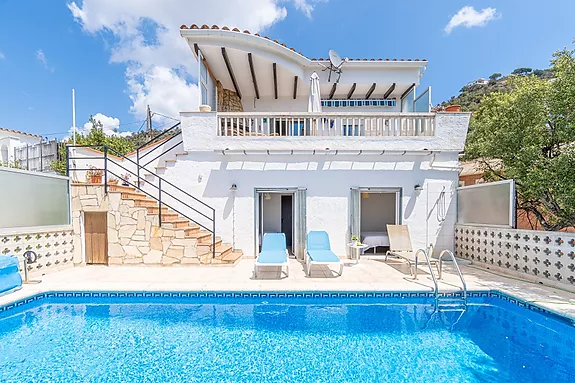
[281,337]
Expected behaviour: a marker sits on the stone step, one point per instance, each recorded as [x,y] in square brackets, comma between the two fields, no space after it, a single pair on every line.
[156,210]
[223,249]
[149,175]
[202,236]
[176,223]
[170,161]
[170,216]
[192,229]
[232,257]
[181,154]
[121,188]
[146,203]
[160,168]
[134,196]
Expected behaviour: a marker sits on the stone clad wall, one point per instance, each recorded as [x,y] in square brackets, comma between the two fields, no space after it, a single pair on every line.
[228,100]
[134,236]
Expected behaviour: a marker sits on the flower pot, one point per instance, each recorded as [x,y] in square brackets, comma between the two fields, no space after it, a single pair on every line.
[453,108]
[205,108]
[96,179]
[112,182]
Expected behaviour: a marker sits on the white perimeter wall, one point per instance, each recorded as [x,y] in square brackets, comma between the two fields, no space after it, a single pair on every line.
[328,179]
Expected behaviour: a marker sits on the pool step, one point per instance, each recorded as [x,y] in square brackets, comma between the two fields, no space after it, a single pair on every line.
[451,303]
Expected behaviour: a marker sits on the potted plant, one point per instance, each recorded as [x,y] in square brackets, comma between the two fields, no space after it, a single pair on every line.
[94,175]
[356,240]
[126,179]
[113,181]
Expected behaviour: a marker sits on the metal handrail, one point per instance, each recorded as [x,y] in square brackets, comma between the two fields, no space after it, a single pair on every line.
[106,158]
[436,287]
[138,157]
[158,136]
[456,268]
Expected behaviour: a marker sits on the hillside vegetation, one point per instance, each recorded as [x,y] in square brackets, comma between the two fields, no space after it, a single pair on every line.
[470,95]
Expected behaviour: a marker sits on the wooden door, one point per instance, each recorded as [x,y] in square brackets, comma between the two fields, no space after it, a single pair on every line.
[95,227]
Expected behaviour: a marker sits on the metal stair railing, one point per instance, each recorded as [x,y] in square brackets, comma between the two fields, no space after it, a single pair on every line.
[435,284]
[456,268]
[145,145]
[436,287]
[106,158]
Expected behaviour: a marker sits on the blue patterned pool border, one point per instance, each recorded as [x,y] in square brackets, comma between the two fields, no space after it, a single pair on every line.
[280,294]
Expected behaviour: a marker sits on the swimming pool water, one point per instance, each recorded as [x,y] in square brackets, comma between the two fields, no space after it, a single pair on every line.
[281,339]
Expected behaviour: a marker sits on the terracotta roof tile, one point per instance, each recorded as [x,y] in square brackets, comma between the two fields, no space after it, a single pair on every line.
[19,132]
[226,28]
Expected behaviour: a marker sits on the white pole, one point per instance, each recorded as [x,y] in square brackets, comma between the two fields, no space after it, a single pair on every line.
[74,115]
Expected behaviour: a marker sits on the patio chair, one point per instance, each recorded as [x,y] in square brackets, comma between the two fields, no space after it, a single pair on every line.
[274,252]
[400,246]
[318,251]
[10,279]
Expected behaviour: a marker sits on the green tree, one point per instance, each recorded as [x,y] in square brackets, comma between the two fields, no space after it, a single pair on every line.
[495,76]
[522,71]
[531,131]
[95,137]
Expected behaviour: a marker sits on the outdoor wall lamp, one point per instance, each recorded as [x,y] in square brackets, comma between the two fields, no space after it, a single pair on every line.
[418,188]
[234,187]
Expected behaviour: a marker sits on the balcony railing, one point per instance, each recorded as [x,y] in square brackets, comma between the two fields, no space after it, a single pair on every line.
[326,124]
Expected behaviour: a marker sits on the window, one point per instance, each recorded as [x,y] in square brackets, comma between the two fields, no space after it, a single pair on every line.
[356,103]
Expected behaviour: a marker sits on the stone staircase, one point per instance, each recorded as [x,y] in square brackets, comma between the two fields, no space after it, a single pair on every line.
[187,235]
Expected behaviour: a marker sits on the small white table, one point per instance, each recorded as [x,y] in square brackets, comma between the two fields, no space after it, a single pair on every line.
[356,249]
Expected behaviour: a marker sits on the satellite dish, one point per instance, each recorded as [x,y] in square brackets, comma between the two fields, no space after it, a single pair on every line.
[334,59]
[335,63]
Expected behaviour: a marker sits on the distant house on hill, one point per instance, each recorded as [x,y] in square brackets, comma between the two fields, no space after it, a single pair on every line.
[10,140]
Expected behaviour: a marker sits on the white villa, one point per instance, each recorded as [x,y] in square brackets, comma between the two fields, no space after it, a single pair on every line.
[255,159]
[13,139]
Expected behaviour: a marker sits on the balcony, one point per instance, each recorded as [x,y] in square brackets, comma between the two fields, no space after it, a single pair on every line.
[345,131]
[348,124]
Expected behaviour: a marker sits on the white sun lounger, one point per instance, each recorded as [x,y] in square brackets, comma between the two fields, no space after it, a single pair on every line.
[400,246]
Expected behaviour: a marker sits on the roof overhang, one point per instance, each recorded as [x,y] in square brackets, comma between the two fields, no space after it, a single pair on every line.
[276,71]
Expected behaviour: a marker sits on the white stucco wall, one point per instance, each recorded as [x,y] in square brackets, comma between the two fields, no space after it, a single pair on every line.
[10,141]
[328,179]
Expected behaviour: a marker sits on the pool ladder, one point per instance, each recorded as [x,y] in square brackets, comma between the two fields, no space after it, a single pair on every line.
[457,302]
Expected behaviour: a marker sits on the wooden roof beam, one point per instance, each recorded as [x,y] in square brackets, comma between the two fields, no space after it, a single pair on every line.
[370,91]
[407,91]
[231,72]
[332,92]
[350,93]
[389,91]
[295,87]
[254,79]
[275,69]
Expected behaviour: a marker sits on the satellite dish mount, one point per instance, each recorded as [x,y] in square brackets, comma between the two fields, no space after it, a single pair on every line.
[335,64]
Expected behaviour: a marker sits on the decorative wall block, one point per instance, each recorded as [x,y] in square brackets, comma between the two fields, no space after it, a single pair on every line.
[548,256]
[54,248]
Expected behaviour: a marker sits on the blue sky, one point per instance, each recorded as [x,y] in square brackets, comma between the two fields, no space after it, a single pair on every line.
[121,55]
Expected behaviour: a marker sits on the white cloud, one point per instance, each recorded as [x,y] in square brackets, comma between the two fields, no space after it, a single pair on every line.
[40,56]
[2,57]
[306,7]
[468,17]
[110,126]
[160,66]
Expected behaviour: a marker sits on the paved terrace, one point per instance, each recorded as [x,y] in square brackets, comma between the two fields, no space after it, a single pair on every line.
[368,275]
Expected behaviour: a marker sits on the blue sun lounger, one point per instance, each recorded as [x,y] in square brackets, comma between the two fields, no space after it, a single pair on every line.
[318,251]
[10,279]
[274,252]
